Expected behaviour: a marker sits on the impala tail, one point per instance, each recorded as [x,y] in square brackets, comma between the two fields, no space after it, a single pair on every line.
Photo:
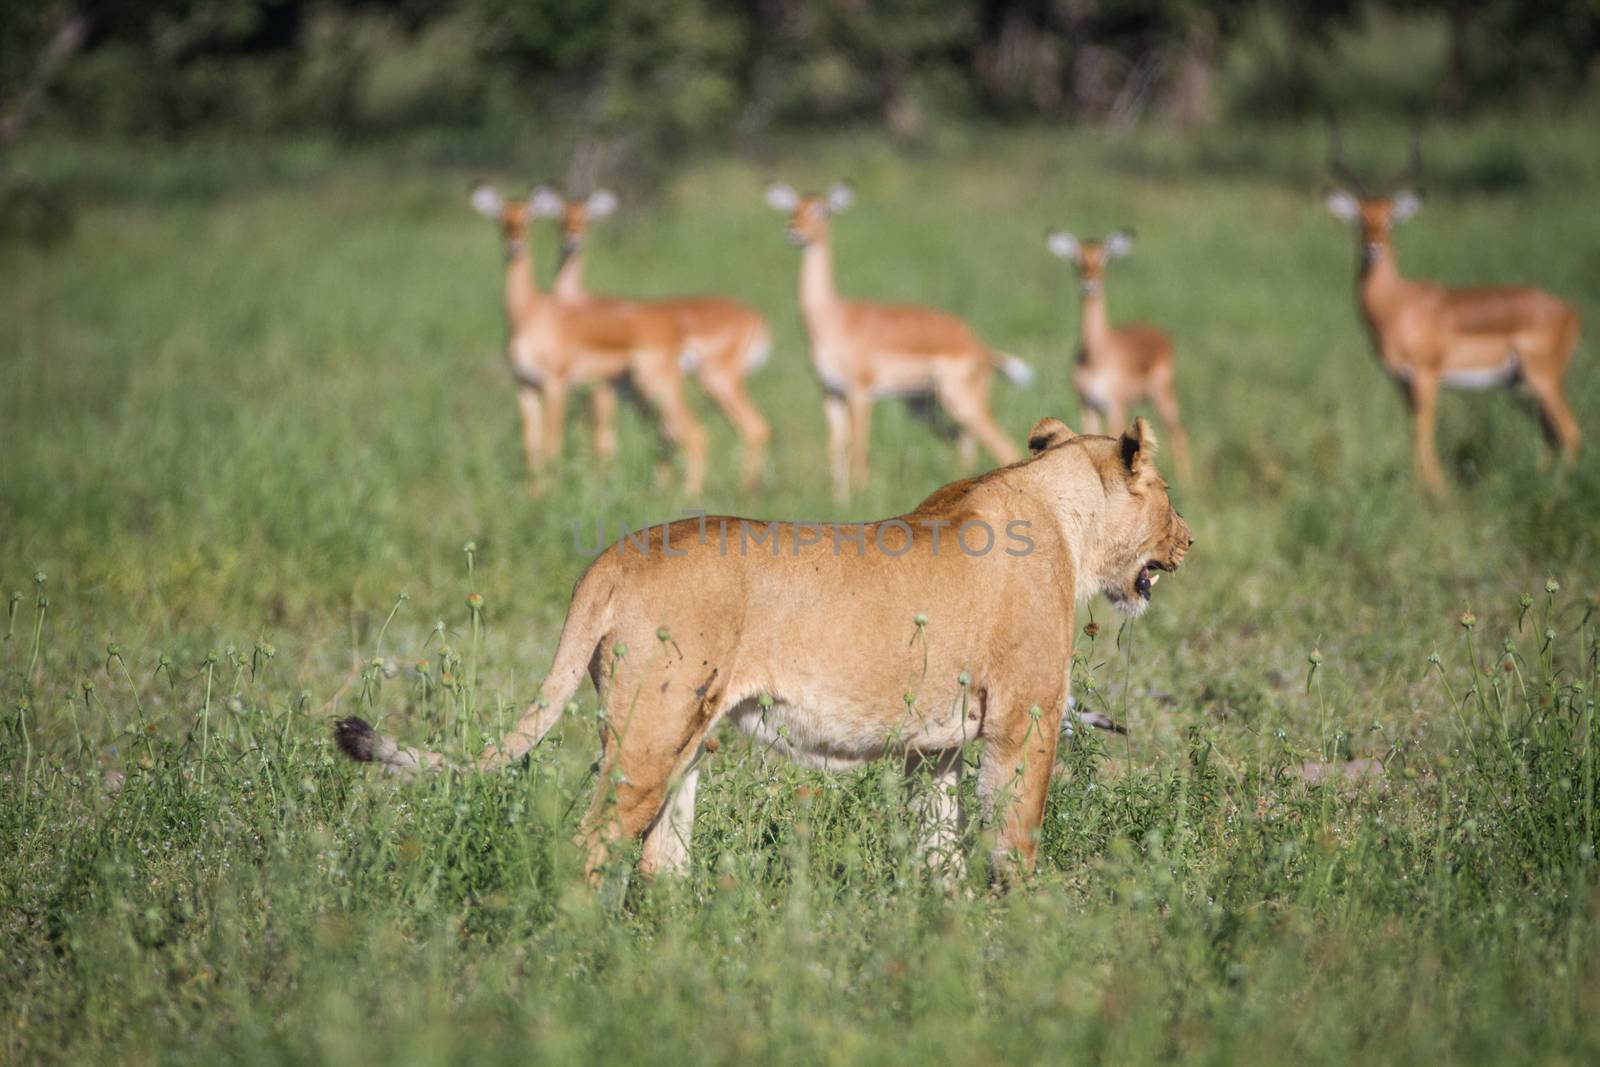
[587,622]
[1016,371]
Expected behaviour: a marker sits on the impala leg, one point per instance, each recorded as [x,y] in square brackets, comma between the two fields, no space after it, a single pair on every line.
[1165,397]
[838,415]
[727,390]
[967,451]
[1560,426]
[604,405]
[860,404]
[555,404]
[531,404]
[968,404]
[1116,418]
[1014,782]
[662,384]
[1093,421]
[1424,409]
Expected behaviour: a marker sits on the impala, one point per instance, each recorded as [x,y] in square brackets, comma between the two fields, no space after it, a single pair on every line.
[554,345]
[1118,366]
[865,351]
[1428,336]
[725,340]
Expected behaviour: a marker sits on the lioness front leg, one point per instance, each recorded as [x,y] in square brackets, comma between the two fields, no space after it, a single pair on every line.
[1014,782]
[935,781]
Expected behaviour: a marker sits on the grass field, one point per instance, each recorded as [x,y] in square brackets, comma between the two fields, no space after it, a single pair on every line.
[254,407]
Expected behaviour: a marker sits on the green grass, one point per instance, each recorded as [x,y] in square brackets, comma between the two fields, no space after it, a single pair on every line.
[258,395]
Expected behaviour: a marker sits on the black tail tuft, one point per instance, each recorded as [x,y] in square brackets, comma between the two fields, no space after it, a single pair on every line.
[355,738]
[1097,720]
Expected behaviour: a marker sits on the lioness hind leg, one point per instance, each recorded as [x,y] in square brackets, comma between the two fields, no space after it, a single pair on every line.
[666,844]
[626,801]
[935,782]
[658,715]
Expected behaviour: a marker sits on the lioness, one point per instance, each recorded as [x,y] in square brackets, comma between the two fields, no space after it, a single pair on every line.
[835,644]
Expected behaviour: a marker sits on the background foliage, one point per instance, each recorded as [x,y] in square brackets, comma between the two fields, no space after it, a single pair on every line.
[697,68]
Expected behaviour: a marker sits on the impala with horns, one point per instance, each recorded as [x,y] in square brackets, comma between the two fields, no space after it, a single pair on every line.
[864,351]
[554,345]
[725,340]
[1118,366]
[1429,336]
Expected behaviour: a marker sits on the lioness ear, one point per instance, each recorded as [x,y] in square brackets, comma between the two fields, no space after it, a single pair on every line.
[1048,433]
[1139,451]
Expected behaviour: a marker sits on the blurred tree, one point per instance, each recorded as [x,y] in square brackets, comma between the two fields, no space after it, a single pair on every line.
[37,38]
[1501,47]
[617,76]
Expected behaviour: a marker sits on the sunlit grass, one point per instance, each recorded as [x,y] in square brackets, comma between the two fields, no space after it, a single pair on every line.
[258,397]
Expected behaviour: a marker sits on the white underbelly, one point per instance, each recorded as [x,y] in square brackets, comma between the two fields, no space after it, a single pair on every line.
[1491,377]
[831,741]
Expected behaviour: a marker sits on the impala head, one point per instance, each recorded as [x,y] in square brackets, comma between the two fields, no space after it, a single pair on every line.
[514,216]
[1140,535]
[1089,257]
[576,215]
[1374,214]
[809,214]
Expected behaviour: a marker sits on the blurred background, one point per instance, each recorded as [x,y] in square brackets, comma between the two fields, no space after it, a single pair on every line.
[620,85]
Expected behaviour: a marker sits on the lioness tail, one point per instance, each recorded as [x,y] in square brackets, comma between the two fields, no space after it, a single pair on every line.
[587,621]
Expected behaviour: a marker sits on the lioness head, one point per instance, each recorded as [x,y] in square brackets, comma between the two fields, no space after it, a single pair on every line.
[1137,535]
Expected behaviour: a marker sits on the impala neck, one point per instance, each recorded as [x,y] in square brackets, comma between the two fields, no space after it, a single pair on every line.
[1379,275]
[1096,322]
[817,293]
[522,288]
[569,277]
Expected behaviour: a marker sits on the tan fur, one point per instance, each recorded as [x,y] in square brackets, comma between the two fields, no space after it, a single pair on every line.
[864,351]
[1428,336]
[1119,366]
[554,345]
[725,339]
[814,649]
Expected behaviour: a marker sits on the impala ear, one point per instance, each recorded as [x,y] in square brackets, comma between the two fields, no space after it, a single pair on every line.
[1119,244]
[545,203]
[782,197]
[486,202]
[1062,245]
[601,203]
[1047,433]
[1403,205]
[1344,206]
[1139,451]
[840,196]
